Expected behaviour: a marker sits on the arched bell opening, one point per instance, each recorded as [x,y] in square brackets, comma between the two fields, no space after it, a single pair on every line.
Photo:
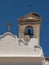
[29,31]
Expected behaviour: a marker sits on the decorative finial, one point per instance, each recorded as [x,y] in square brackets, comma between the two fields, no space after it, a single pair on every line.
[9,25]
[30,7]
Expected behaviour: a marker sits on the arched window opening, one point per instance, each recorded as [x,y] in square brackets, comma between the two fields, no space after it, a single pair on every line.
[29,31]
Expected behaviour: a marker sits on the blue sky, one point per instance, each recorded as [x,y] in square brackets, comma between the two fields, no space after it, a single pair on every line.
[10,10]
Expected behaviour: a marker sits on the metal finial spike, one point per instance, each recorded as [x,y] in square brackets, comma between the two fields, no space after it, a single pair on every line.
[9,25]
[30,6]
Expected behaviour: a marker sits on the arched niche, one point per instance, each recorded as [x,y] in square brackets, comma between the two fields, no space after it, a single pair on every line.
[29,31]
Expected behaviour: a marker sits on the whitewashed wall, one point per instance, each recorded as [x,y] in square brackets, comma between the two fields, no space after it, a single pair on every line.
[10,46]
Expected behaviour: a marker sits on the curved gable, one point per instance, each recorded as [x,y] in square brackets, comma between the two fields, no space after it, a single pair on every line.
[7,34]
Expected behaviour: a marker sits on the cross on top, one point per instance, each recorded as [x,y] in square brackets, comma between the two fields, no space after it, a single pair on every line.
[30,7]
[9,26]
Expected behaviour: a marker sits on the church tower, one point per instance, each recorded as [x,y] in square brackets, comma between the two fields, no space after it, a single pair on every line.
[29,26]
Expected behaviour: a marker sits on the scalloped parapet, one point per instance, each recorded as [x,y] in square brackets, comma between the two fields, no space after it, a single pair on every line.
[10,45]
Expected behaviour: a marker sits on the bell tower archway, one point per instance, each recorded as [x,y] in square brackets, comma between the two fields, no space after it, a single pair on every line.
[29,25]
[29,31]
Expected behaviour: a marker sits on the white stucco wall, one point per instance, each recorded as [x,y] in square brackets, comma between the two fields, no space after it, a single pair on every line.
[9,46]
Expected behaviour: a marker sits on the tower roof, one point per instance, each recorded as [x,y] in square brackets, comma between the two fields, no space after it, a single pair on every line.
[34,17]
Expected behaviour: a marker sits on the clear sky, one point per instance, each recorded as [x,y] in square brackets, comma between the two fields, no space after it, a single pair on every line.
[10,10]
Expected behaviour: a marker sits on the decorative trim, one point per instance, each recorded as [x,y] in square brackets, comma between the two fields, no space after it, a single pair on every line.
[21,59]
[7,33]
